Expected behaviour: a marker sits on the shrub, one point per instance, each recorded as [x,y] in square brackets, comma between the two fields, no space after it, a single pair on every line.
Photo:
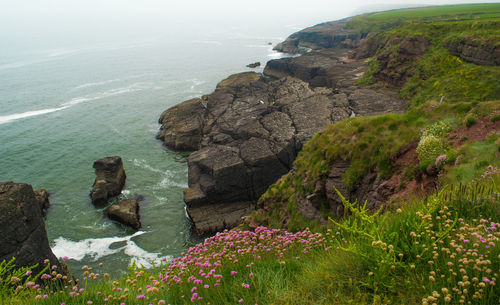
[495,117]
[469,121]
[430,147]
[438,129]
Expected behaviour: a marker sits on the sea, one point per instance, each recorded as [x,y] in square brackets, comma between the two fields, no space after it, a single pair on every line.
[65,104]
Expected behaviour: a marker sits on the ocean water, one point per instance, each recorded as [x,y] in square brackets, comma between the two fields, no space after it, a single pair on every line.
[63,108]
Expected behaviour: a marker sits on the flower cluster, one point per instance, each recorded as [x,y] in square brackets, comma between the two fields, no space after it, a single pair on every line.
[462,267]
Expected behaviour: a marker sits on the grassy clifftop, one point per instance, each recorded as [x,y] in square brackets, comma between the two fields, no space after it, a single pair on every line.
[380,21]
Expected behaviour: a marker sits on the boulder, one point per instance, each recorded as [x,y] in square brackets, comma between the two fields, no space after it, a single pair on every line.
[23,233]
[110,179]
[125,212]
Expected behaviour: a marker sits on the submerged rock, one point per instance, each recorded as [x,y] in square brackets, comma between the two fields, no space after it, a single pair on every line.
[125,212]
[23,234]
[254,65]
[109,181]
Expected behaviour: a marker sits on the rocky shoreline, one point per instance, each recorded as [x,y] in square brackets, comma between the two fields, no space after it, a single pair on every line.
[247,133]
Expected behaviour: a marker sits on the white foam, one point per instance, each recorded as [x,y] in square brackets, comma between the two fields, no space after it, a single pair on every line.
[167,181]
[96,248]
[96,84]
[16,116]
[142,163]
[208,42]
[74,101]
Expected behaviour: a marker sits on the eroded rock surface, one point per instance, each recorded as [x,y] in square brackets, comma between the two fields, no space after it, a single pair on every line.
[476,51]
[109,181]
[125,212]
[23,234]
[250,135]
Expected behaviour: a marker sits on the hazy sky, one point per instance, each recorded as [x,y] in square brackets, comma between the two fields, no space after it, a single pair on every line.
[88,19]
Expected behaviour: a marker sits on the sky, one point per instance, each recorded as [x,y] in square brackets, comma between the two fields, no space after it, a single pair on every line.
[28,20]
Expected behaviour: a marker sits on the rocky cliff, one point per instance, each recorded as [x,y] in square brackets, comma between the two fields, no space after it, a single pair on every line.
[23,234]
[247,133]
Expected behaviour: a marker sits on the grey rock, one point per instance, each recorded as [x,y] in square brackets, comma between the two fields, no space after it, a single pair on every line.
[125,212]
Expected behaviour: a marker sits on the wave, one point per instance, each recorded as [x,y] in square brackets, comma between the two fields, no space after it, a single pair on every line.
[207,42]
[13,117]
[142,163]
[74,101]
[93,84]
[96,248]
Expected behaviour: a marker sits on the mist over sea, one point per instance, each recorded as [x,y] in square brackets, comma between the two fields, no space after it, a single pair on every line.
[70,98]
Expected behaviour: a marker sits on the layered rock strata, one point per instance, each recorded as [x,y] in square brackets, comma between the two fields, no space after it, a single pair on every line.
[109,181]
[23,234]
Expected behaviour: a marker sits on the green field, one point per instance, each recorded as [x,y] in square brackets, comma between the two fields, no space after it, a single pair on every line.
[375,22]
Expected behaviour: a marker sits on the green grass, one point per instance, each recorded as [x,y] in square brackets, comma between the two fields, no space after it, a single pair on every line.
[376,22]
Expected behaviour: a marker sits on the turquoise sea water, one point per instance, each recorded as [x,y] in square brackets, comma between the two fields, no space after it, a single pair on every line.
[63,108]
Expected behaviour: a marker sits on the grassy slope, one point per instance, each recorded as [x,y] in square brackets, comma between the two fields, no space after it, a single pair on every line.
[437,250]
[468,90]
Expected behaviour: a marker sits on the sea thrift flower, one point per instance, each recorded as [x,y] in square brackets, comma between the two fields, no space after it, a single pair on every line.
[28,272]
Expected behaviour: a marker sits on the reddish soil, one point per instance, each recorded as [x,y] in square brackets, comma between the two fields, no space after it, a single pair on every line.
[424,184]
[480,131]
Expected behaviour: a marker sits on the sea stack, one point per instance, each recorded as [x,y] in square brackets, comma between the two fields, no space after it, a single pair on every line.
[23,234]
[109,181]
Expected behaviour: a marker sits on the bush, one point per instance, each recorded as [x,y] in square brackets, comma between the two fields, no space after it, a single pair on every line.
[469,121]
[438,129]
[495,117]
[430,147]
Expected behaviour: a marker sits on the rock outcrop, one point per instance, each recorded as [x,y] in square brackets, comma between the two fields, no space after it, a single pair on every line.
[321,36]
[109,181]
[249,133]
[254,65]
[23,234]
[475,51]
[125,212]
[396,66]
